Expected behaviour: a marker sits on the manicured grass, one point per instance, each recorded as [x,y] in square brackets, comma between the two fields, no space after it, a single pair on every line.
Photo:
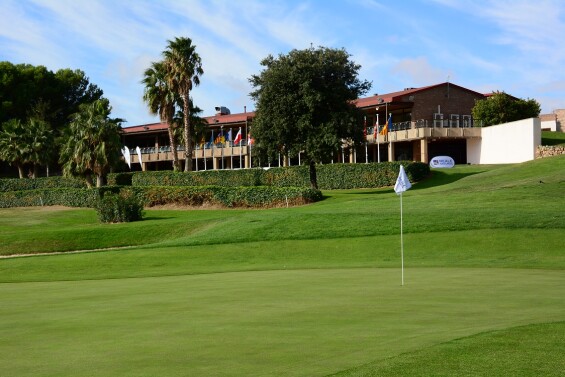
[291,323]
[540,346]
[312,290]
[552,138]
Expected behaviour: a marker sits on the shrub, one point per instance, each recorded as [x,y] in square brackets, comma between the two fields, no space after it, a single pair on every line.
[118,208]
[120,179]
[330,176]
[17,184]
[245,197]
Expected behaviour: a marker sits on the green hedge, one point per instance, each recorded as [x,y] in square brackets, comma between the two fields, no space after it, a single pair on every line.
[259,196]
[120,179]
[69,197]
[17,184]
[330,176]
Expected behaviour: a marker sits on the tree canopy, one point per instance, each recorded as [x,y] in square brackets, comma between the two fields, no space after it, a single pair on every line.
[168,84]
[184,68]
[24,86]
[502,108]
[304,104]
[92,145]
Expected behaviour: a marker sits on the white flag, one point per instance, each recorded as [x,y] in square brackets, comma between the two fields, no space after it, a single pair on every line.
[125,153]
[138,150]
[402,182]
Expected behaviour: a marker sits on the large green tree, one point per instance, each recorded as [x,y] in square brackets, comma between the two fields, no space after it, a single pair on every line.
[24,86]
[92,144]
[502,108]
[14,147]
[184,68]
[26,143]
[304,104]
[38,97]
[162,101]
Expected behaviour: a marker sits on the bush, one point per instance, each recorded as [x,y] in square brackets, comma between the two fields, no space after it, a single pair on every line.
[330,176]
[17,184]
[120,179]
[68,197]
[243,197]
[118,208]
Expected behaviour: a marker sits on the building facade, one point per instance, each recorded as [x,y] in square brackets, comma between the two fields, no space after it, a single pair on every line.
[421,123]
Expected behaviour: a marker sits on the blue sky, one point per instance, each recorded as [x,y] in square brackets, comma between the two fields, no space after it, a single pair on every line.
[516,46]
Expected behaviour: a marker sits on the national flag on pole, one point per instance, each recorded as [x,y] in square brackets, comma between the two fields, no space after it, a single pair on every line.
[387,126]
[376,129]
[237,137]
[402,182]
[250,140]
[365,127]
[228,138]
[211,142]
[220,139]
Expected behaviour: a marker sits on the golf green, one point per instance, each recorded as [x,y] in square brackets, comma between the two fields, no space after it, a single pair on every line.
[260,323]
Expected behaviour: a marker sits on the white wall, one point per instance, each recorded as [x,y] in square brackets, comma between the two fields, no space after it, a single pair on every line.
[506,143]
[549,125]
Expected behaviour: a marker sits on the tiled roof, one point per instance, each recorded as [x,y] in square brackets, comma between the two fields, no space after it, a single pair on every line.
[380,99]
[367,102]
[218,120]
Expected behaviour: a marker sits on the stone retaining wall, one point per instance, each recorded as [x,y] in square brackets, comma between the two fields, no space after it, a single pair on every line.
[548,151]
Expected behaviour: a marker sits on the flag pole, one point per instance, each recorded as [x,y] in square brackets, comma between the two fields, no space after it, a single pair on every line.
[402,184]
[401,242]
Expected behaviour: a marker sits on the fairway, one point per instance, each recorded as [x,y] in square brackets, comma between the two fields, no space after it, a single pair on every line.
[292,323]
[306,291]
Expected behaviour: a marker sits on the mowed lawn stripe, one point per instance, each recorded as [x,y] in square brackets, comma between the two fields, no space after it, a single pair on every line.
[293,323]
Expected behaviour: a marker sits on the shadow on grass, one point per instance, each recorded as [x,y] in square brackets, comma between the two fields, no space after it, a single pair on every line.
[435,179]
[442,177]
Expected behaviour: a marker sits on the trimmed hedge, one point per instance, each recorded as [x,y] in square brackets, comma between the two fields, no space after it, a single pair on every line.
[330,176]
[120,179]
[17,184]
[252,197]
[69,197]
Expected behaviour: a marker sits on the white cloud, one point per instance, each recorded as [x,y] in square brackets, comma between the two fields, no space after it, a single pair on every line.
[419,71]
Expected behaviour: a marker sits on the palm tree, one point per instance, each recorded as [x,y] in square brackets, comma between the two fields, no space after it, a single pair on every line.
[162,101]
[14,147]
[93,143]
[184,68]
[40,143]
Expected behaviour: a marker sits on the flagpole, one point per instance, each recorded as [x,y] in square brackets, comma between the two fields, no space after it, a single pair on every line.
[401,242]
[377,137]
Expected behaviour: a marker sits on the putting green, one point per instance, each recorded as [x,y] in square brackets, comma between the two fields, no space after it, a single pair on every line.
[292,323]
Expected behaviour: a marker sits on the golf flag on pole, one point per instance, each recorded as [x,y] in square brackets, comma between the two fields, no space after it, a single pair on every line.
[402,182]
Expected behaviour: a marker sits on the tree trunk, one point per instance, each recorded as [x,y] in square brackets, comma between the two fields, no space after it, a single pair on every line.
[88,179]
[173,145]
[187,134]
[313,176]
[100,181]
[20,169]
[35,173]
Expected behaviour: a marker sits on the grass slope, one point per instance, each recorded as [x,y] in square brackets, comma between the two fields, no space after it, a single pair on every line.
[312,290]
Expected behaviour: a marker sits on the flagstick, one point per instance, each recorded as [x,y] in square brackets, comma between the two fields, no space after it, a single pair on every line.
[401,241]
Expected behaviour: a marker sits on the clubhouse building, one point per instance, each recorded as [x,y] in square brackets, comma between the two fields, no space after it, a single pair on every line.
[422,123]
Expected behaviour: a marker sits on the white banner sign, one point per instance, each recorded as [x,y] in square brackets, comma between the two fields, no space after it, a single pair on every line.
[442,162]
